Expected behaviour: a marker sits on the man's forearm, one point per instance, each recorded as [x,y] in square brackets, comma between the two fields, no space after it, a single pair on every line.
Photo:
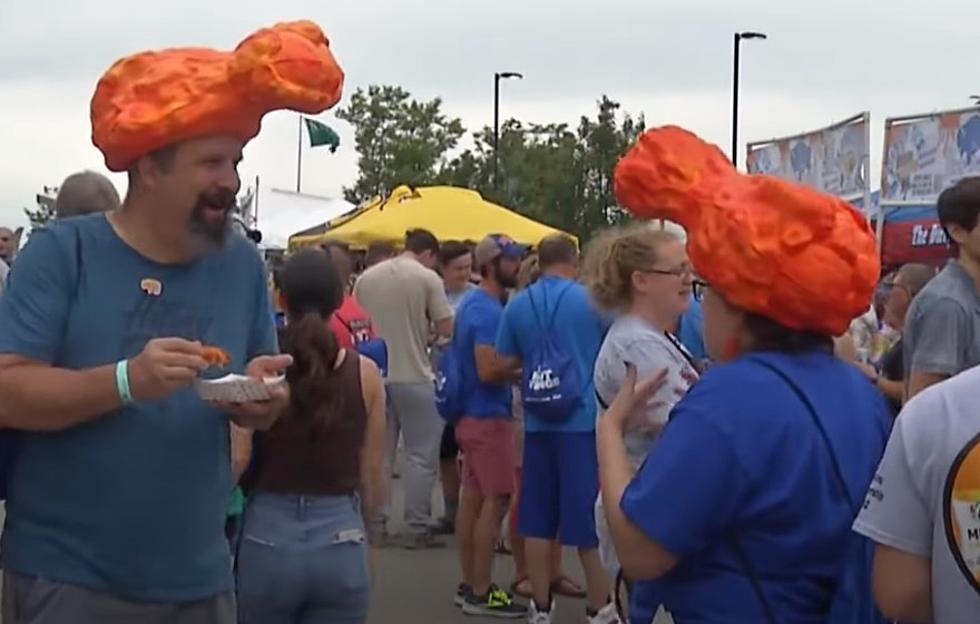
[43,398]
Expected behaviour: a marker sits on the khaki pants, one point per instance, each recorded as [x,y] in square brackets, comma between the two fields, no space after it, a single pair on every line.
[37,601]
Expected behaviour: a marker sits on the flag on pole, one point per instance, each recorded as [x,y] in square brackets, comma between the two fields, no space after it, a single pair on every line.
[322,134]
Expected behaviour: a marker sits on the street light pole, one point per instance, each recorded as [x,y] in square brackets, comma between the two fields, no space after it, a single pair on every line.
[496,116]
[738,41]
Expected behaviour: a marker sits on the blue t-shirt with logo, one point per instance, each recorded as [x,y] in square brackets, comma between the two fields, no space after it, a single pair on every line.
[741,457]
[578,326]
[477,321]
[134,503]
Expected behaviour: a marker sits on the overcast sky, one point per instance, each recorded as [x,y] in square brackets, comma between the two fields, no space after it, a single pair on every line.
[669,59]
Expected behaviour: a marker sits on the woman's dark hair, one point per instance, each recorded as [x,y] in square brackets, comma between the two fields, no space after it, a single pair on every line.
[312,291]
[768,335]
[419,241]
[450,250]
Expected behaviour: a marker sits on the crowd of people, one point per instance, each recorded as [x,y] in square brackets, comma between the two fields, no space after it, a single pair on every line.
[750,425]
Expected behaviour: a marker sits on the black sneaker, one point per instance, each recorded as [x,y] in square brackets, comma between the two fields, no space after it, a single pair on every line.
[497,603]
[463,591]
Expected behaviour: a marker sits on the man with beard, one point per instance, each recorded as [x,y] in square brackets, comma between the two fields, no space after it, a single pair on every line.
[117,501]
[485,432]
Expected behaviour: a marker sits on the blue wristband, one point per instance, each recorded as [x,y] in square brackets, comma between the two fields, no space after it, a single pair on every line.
[122,382]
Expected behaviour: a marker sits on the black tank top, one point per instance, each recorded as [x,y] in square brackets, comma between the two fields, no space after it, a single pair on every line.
[296,458]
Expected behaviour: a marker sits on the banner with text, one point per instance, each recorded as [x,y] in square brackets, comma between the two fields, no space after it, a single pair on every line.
[926,154]
[833,159]
[913,234]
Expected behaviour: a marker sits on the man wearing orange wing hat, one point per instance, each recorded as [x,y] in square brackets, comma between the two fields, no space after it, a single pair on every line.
[117,500]
[743,509]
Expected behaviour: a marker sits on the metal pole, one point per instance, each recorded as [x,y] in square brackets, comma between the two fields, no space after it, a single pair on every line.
[255,205]
[299,154]
[880,221]
[496,126]
[738,39]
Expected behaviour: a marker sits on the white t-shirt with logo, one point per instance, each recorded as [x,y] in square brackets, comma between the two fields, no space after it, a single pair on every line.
[633,340]
[925,498]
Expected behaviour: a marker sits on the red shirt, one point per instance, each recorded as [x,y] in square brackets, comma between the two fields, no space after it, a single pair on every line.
[351,323]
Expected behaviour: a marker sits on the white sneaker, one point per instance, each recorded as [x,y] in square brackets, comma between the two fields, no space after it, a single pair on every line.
[606,615]
[538,617]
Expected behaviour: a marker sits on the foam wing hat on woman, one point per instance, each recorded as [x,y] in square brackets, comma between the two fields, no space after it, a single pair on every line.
[788,252]
[153,99]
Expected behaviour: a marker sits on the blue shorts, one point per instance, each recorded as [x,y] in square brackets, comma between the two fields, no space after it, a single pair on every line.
[559,489]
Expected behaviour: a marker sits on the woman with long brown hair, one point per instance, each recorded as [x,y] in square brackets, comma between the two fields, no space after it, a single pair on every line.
[318,477]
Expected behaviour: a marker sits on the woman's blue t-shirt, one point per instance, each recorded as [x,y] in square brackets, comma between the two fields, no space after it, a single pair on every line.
[742,459]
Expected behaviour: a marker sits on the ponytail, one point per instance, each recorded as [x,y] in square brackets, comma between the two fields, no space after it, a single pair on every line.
[315,396]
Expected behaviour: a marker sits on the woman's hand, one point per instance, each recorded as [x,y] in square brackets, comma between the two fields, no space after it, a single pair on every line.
[632,396]
[615,473]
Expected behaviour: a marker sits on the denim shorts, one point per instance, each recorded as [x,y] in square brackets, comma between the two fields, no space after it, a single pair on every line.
[303,559]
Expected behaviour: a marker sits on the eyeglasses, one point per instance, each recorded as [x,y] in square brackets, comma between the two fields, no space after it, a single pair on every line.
[698,288]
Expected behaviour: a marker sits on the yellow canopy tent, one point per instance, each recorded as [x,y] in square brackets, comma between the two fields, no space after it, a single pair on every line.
[449,212]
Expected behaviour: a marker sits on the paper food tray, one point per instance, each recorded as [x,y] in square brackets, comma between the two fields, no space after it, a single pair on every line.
[236,388]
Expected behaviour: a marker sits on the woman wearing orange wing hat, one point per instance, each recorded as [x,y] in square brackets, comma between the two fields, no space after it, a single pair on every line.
[122,480]
[743,509]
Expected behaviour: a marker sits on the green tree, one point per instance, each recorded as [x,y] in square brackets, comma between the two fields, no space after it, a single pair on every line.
[550,172]
[400,140]
[602,142]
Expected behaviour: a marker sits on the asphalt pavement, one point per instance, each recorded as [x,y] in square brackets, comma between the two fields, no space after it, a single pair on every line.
[415,587]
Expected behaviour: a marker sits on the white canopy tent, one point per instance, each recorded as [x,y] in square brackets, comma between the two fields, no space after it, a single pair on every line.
[279,214]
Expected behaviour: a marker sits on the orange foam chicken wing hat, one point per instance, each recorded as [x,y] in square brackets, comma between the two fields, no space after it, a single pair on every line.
[153,99]
[779,249]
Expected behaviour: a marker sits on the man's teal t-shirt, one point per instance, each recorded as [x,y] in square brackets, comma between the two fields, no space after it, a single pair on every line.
[132,504]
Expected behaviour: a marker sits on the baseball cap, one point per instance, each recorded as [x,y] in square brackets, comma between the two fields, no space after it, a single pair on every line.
[496,245]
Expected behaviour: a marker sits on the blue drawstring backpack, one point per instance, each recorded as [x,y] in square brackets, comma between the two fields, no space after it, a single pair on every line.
[552,383]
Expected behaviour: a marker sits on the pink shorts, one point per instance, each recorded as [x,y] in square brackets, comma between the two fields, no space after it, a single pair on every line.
[487,445]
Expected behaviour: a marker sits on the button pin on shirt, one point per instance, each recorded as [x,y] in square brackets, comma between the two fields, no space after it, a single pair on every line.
[151,286]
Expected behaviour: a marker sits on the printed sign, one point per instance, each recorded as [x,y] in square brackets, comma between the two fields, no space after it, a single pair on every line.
[917,240]
[925,155]
[832,159]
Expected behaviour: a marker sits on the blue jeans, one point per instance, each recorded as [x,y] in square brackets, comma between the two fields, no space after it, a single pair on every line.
[303,560]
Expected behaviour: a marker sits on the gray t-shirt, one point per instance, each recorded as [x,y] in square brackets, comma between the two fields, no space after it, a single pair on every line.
[942,328]
[925,498]
[631,339]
